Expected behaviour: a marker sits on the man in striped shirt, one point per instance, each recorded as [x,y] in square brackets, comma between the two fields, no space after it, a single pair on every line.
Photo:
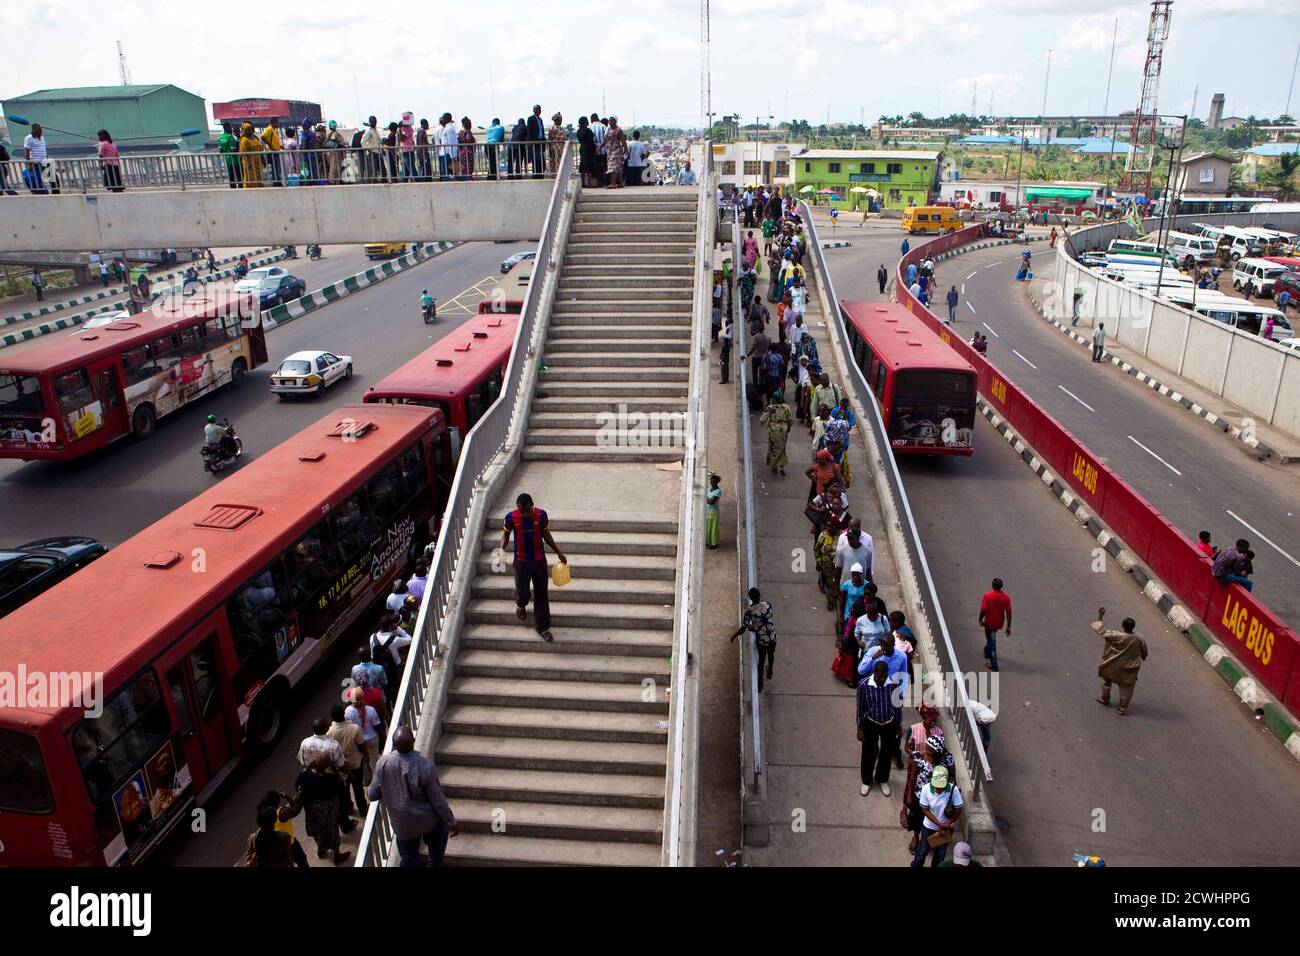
[877,718]
[531,531]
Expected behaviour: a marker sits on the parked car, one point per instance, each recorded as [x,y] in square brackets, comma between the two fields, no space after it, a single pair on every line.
[1288,282]
[272,286]
[310,373]
[384,250]
[510,262]
[35,567]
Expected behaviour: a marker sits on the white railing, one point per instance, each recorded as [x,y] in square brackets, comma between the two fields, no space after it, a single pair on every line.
[680,788]
[484,441]
[958,712]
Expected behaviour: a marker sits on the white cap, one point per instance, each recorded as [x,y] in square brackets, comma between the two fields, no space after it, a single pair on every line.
[856,569]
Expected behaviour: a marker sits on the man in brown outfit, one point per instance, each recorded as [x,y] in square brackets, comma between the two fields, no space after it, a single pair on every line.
[1120,661]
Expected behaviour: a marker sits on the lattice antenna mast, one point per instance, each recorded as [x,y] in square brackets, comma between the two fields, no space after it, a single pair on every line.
[123,70]
[1146,123]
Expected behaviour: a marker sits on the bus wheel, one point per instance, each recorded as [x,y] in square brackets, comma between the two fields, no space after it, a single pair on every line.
[265,722]
[143,421]
[237,370]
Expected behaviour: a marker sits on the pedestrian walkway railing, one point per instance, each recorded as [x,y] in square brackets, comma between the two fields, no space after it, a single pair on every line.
[212,169]
[679,829]
[480,447]
[957,705]
[756,780]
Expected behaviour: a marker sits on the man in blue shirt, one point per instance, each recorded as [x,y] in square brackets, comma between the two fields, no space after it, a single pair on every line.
[878,715]
[496,133]
[911,270]
[687,176]
[531,531]
[891,655]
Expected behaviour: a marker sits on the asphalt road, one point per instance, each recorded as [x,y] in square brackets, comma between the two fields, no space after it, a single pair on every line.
[1188,777]
[1198,477]
[113,494]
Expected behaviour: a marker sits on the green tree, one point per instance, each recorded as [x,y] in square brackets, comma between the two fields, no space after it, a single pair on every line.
[1282,176]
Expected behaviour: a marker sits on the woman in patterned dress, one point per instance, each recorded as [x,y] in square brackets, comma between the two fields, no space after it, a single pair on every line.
[556,137]
[615,153]
[466,139]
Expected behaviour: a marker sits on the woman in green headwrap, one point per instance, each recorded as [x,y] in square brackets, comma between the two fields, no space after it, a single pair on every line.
[778,418]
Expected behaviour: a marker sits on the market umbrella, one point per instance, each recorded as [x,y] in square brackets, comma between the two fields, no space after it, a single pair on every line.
[859,189]
[808,189]
[825,192]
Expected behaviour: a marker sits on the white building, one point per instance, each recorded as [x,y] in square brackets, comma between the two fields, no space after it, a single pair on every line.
[750,163]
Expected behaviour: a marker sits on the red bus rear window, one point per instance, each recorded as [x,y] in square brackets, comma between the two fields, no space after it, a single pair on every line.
[24,788]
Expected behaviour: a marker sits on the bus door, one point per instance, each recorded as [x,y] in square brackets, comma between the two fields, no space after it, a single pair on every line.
[199,694]
[107,388]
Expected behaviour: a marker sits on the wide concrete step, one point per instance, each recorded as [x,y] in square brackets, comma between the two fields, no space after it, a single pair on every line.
[630,355]
[638,216]
[566,521]
[627,304]
[611,202]
[622,343]
[579,245]
[555,821]
[677,272]
[658,538]
[630,374]
[628,418]
[678,336]
[623,290]
[666,435]
[577,614]
[620,258]
[568,406]
[559,695]
[572,668]
[578,640]
[628,228]
[572,756]
[610,391]
[599,590]
[597,455]
[547,723]
[551,786]
[604,282]
[503,849]
[629,317]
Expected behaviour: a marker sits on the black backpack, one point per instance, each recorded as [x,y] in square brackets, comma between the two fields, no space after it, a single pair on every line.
[381,655]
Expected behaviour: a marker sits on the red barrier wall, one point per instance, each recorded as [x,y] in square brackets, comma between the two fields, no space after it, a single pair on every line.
[1260,639]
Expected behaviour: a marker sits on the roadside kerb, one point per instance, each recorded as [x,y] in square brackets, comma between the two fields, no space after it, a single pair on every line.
[310,302]
[110,293]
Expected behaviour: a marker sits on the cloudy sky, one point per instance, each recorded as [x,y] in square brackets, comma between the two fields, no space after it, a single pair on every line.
[804,59]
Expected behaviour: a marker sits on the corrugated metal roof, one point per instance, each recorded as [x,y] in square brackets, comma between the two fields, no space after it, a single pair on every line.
[89,93]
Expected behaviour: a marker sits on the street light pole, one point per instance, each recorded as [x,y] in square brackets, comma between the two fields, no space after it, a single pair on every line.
[758,164]
[1168,200]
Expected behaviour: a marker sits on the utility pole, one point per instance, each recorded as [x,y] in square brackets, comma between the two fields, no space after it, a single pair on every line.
[1046,79]
[1110,72]
[1291,87]
[974,92]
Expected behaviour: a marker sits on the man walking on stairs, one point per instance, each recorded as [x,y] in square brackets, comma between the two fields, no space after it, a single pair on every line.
[532,575]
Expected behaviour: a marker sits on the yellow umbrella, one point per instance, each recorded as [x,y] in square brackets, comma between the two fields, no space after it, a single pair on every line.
[859,189]
[808,189]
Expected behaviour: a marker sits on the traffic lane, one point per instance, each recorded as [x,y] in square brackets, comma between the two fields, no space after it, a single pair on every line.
[113,494]
[1195,476]
[1171,779]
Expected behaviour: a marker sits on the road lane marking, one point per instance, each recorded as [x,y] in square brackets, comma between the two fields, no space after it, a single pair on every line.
[972,308]
[1025,360]
[1156,457]
[1076,398]
[992,264]
[972,275]
[990,328]
[963,288]
[1256,531]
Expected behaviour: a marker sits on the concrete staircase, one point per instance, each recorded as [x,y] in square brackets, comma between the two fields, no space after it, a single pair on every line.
[556,753]
[620,327]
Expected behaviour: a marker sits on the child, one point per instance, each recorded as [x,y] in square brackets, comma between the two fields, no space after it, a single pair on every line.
[1203,545]
[712,526]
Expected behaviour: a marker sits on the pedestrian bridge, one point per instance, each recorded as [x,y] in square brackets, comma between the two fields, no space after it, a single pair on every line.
[451,210]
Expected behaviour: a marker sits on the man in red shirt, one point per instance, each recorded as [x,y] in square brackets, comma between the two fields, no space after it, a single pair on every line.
[995,610]
[531,529]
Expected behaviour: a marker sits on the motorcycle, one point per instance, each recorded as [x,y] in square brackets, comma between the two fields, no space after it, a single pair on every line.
[430,313]
[313,251]
[229,450]
[291,252]
[241,270]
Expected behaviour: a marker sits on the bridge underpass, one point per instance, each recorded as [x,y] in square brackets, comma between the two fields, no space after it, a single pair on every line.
[452,211]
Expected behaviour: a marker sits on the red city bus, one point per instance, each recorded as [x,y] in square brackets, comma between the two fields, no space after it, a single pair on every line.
[72,394]
[925,390]
[460,374]
[201,625]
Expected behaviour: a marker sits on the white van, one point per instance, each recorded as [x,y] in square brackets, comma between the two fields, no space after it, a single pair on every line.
[1184,244]
[1257,275]
[1238,242]
[1278,240]
[1235,312]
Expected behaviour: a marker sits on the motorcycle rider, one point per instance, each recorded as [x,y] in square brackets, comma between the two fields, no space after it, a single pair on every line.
[426,303]
[218,438]
[190,280]
[241,267]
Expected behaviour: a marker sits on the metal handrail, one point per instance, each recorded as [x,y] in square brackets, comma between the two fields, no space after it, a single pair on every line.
[750,663]
[962,717]
[212,169]
[705,232]
[480,447]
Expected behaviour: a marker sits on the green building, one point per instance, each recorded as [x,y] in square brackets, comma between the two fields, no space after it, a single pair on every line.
[142,118]
[901,177]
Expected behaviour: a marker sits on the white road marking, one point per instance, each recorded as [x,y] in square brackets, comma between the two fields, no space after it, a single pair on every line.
[963,288]
[992,264]
[1025,360]
[1265,540]
[1155,456]
[1076,398]
[972,308]
[990,328]
[972,275]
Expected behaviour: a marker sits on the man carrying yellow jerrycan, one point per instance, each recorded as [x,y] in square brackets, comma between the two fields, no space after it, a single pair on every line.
[529,525]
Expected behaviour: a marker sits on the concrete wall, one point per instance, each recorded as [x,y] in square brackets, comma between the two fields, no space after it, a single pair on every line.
[451,211]
[1259,377]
